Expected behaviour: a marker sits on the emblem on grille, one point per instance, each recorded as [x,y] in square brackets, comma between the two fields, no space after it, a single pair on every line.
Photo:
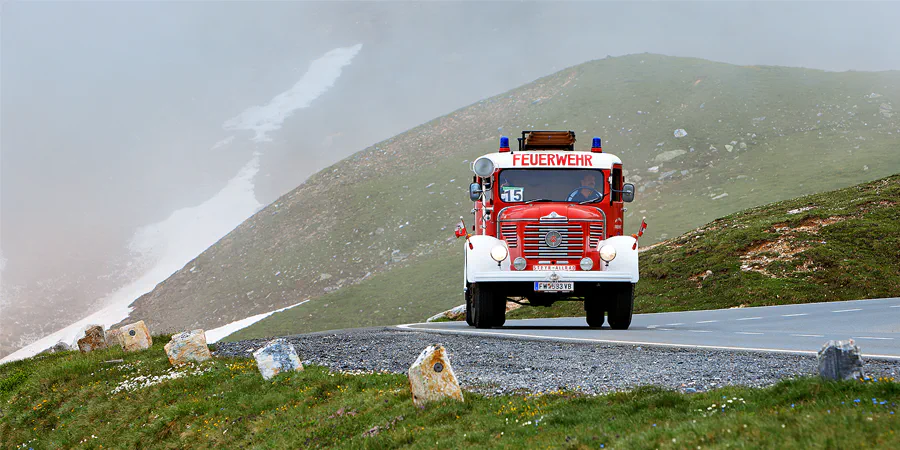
[553,238]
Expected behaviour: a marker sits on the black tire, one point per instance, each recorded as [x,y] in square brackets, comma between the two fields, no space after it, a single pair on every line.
[499,311]
[483,304]
[621,306]
[470,313]
[593,312]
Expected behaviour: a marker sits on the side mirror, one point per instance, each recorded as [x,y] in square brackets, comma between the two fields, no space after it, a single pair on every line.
[475,191]
[628,192]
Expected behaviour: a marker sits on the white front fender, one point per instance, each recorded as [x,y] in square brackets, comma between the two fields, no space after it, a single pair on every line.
[626,260]
[478,258]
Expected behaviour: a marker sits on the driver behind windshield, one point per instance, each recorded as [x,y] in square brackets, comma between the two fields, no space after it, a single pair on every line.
[589,191]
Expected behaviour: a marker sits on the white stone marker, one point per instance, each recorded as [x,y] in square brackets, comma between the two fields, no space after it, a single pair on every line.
[840,360]
[93,339]
[431,378]
[114,338]
[188,346]
[135,337]
[276,357]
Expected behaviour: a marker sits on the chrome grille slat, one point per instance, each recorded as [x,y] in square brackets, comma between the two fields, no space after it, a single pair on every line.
[508,231]
[531,234]
[571,245]
[596,234]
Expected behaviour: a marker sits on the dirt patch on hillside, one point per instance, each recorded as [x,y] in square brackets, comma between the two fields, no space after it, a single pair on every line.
[759,257]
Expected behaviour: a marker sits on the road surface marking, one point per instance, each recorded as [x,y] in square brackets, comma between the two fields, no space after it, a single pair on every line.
[848,310]
[745,332]
[750,318]
[538,337]
[700,331]
[879,338]
[711,321]
[652,326]
[895,306]
[794,315]
[665,329]
[808,335]
[673,324]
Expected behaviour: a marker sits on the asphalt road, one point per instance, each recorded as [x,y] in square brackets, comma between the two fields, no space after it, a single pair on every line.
[802,329]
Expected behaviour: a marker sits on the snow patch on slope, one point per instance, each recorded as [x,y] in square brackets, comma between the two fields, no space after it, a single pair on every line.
[321,76]
[172,243]
[177,240]
[216,334]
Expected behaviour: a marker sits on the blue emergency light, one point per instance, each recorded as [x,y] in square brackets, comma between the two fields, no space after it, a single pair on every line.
[504,144]
[596,146]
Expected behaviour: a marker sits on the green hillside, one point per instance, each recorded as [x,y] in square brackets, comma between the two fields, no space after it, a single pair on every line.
[372,233]
[838,245]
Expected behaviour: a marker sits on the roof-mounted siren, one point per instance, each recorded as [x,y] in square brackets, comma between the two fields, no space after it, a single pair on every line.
[596,146]
[504,144]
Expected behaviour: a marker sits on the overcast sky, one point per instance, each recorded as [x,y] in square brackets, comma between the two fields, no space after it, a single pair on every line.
[113,115]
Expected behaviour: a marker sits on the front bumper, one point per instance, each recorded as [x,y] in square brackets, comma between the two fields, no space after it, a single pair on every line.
[534,275]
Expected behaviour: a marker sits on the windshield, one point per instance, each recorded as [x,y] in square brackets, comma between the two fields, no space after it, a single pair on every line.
[556,185]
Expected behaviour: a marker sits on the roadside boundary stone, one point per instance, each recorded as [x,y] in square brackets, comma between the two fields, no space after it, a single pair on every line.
[276,357]
[840,360]
[431,377]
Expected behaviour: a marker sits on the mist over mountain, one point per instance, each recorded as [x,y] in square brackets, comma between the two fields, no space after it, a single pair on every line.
[126,126]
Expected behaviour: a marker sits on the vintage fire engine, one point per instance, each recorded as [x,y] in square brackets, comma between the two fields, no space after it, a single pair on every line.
[549,227]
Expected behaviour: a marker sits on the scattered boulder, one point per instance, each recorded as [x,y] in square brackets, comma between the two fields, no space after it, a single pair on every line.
[136,337]
[680,133]
[188,346]
[729,147]
[450,314]
[668,156]
[276,357]
[57,347]
[431,377]
[840,360]
[114,338]
[93,339]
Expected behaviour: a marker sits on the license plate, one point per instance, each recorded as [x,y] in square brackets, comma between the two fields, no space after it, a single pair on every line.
[553,268]
[554,286]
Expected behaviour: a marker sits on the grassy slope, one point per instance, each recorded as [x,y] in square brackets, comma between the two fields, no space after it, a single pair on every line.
[804,130]
[850,242]
[64,401]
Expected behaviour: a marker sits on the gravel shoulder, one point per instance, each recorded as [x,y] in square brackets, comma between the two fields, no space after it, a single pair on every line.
[493,365]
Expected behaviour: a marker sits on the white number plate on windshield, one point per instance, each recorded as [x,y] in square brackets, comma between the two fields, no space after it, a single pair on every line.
[554,286]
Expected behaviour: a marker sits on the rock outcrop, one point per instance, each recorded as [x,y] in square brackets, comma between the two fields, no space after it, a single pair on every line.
[276,357]
[114,338]
[186,347]
[94,339]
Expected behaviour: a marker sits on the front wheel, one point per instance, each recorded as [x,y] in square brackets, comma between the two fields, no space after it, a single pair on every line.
[470,313]
[621,306]
[483,302]
[594,313]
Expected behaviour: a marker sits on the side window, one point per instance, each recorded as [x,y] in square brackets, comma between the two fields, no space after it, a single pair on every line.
[617,184]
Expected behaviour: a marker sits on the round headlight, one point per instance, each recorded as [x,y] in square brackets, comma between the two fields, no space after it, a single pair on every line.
[519,263]
[499,252]
[483,167]
[587,263]
[607,253]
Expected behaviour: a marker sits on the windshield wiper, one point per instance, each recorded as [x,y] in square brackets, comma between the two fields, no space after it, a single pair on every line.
[538,200]
[590,201]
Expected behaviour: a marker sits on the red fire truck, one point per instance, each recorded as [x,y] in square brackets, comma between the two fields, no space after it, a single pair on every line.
[549,227]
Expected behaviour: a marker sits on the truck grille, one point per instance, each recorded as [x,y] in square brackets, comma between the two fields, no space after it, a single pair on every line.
[596,234]
[508,231]
[535,245]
